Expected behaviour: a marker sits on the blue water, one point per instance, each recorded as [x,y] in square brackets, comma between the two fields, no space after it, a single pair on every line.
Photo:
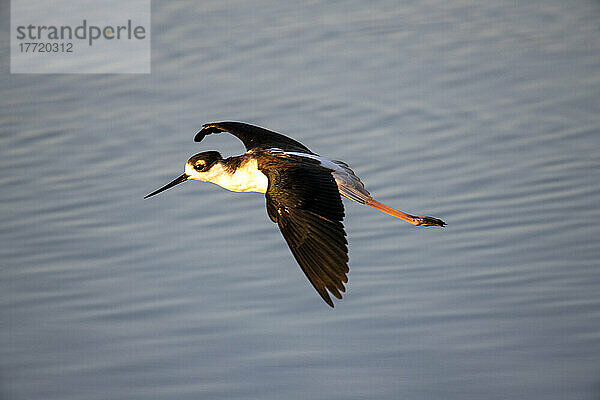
[486,115]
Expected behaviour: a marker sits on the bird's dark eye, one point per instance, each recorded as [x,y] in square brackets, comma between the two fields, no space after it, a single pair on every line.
[199,166]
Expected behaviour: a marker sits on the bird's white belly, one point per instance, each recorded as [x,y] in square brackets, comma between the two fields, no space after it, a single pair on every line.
[247,178]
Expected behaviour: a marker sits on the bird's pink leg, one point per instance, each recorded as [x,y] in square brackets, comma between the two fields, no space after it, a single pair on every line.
[411,219]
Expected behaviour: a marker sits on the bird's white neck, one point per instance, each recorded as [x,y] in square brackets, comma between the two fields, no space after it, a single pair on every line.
[246,178]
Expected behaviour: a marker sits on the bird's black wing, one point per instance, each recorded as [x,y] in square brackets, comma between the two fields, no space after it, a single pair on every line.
[303,199]
[253,137]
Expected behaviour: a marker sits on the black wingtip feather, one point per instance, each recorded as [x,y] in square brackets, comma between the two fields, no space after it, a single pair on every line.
[207,129]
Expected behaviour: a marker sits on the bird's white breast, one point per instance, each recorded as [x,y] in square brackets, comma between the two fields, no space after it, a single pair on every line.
[247,178]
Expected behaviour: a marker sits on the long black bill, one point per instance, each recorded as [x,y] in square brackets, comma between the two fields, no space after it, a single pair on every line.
[182,178]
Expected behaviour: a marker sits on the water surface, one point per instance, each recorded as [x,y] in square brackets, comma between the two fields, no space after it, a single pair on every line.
[485,115]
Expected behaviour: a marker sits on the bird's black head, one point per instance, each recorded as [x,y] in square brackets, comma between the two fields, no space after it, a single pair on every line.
[202,162]
[198,167]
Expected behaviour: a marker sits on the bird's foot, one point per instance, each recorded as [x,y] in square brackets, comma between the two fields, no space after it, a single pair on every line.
[428,221]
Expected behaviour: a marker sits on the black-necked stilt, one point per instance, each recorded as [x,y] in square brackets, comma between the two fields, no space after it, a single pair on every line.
[303,196]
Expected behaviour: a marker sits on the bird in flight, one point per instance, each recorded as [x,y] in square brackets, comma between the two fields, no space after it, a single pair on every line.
[303,194]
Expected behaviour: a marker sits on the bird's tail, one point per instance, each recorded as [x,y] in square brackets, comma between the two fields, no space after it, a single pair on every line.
[411,219]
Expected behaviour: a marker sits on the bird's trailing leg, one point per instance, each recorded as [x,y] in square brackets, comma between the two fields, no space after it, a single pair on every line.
[411,219]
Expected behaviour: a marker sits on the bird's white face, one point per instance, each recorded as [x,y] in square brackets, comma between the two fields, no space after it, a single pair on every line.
[204,166]
[196,171]
[246,178]
[201,167]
